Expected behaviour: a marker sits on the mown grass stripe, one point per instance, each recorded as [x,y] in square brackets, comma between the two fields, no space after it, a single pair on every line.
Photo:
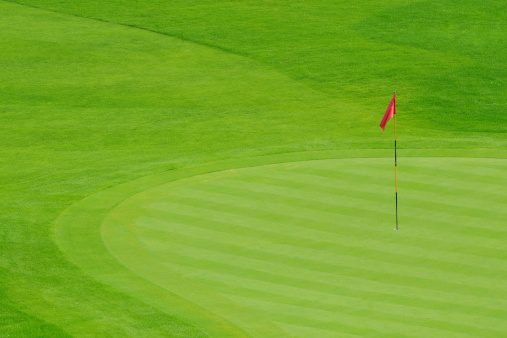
[266,263]
[279,209]
[233,318]
[327,194]
[209,213]
[328,221]
[417,316]
[471,242]
[283,195]
[300,330]
[356,185]
[372,176]
[384,326]
[324,183]
[477,169]
[486,196]
[332,200]
[412,205]
[283,295]
[244,194]
[474,167]
[487,167]
[322,262]
[357,188]
[222,235]
[372,191]
[342,303]
[283,201]
[352,299]
[331,232]
[444,261]
[355,255]
[349,207]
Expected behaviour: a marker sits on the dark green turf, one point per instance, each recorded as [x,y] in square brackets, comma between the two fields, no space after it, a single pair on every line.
[95,94]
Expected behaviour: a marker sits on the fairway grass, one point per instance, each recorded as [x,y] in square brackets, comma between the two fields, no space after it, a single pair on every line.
[307,246]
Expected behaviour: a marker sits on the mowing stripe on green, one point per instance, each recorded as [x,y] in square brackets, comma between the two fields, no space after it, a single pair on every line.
[311,244]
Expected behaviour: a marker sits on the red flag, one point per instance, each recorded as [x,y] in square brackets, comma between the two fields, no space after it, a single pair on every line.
[391,110]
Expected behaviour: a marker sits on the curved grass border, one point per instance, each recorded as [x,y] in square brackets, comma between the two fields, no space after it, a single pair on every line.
[78,230]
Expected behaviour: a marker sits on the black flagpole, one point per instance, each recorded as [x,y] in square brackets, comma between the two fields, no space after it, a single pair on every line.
[395,171]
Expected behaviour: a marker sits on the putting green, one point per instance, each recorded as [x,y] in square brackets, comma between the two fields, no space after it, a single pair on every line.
[307,247]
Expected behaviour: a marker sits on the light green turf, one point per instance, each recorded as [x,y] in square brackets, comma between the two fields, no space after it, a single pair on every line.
[308,246]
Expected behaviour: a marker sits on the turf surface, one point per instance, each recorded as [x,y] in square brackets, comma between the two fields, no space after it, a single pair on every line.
[97,94]
[308,246]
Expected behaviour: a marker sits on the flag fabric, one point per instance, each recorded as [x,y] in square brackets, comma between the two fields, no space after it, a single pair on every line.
[391,110]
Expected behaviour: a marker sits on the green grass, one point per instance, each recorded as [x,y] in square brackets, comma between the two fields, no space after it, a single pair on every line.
[98,94]
[308,245]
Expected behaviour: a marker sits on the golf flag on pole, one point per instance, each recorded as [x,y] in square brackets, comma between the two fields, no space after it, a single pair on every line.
[391,110]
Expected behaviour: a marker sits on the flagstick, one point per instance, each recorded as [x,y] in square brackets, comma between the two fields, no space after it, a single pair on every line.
[395,171]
